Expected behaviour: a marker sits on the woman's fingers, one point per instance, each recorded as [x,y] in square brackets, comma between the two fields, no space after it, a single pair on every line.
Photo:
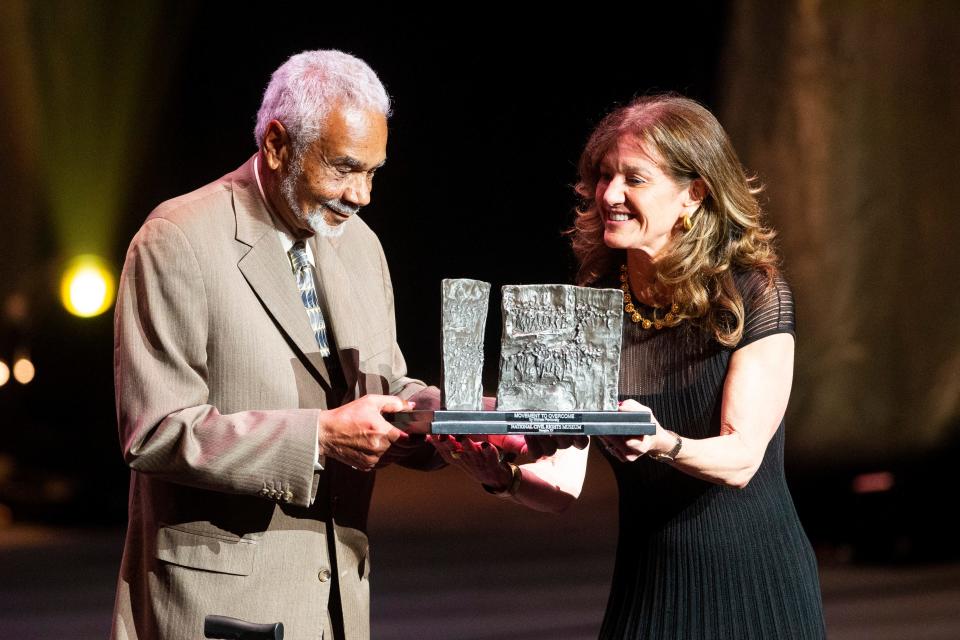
[624,448]
[449,449]
[633,405]
[635,448]
[479,460]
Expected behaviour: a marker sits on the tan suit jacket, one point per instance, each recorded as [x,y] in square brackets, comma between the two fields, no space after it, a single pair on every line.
[218,386]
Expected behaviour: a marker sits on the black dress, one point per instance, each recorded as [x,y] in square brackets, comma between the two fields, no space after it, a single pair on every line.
[696,559]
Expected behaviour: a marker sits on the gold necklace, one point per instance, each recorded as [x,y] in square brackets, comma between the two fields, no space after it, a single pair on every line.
[635,316]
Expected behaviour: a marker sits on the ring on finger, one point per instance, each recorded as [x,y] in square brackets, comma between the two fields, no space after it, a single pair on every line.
[455,455]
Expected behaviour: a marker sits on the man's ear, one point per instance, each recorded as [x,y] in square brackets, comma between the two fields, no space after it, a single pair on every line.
[277,148]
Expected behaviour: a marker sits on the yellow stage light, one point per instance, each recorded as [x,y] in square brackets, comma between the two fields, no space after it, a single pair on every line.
[23,371]
[4,373]
[86,289]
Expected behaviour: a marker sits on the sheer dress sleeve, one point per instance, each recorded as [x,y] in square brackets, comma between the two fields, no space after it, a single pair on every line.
[768,307]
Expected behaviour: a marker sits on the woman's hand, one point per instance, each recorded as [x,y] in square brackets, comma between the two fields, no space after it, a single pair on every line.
[548,484]
[631,448]
[540,446]
[481,461]
[755,395]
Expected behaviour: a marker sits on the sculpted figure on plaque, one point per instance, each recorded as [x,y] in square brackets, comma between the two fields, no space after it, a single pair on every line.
[560,348]
[464,317]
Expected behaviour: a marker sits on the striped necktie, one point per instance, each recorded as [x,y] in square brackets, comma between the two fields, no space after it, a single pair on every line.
[306,283]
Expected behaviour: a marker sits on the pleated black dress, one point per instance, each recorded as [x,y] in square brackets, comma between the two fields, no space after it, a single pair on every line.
[696,559]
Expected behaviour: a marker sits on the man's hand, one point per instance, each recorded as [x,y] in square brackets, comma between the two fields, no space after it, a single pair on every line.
[427,399]
[411,448]
[356,433]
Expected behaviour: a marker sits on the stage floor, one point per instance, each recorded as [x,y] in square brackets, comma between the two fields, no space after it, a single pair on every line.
[452,563]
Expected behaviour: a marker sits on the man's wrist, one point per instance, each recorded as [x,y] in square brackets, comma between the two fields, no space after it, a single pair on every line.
[320,449]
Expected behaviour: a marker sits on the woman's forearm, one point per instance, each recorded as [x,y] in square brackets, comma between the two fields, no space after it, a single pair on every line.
[552,483]
[726,459]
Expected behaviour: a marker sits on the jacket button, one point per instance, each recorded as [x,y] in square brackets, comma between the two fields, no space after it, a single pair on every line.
[324,575]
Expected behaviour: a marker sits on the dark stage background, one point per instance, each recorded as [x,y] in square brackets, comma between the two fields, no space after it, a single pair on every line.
[489,118]
[849,111]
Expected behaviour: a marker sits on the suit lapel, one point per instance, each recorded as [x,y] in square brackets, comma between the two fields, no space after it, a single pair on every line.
[343,288]
[268,272]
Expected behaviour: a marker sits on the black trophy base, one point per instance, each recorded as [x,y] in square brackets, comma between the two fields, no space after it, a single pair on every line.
[547,423]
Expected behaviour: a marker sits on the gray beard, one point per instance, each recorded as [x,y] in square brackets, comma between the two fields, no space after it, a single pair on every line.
[313,216]
[319,223]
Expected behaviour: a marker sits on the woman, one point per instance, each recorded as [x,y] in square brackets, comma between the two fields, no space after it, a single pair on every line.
[710,545]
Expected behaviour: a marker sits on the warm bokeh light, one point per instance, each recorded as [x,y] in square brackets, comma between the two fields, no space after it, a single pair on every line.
[23,371]
[87,286]
[873,482]
[4,373]
[16,307]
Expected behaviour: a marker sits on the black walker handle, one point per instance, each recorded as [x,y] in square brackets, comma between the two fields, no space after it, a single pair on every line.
[224,628]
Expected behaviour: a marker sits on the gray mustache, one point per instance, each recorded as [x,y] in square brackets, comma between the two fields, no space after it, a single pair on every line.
[342,208]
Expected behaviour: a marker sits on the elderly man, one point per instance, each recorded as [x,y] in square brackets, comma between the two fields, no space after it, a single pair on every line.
[255,353]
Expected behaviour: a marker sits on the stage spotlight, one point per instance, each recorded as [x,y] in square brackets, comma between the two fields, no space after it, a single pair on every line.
[4,373]
[87,286]
[23,371]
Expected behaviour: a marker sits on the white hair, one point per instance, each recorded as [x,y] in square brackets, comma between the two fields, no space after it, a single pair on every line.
[304,89]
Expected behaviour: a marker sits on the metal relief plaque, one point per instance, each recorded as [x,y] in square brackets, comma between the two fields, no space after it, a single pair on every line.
[559,364]
[464,317]
[560,349]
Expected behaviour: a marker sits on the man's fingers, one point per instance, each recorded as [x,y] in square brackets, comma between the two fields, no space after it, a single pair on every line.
[393,434]
[428,398]
[391,404]
[369,463]
[405,441]
[418,428]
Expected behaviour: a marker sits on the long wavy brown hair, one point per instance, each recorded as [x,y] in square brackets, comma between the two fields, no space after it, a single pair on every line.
[728,233]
